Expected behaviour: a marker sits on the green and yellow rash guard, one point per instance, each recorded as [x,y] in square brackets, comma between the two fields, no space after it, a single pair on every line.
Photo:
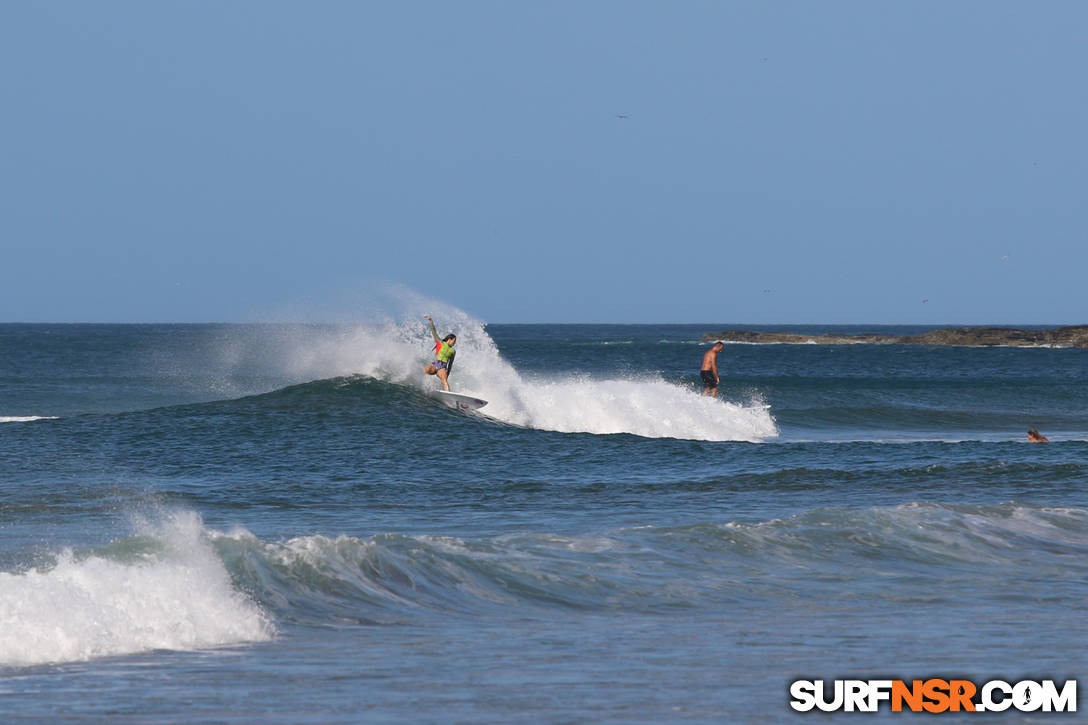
[443,351]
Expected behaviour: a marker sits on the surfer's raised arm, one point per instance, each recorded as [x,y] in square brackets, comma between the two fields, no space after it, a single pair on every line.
[433,331]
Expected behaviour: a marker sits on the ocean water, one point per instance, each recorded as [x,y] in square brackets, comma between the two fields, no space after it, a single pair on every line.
[275,523]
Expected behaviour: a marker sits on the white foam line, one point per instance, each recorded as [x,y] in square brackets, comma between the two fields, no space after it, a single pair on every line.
[83,608]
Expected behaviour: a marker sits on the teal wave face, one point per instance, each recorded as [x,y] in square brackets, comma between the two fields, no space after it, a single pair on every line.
[912,551]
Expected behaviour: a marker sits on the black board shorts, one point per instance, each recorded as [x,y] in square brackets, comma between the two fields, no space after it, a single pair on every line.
[708,378]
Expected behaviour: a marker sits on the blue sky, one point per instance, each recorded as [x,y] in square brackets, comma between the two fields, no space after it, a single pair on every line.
[778,162]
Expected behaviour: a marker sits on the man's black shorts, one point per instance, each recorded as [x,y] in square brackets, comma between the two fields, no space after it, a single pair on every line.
[708,379]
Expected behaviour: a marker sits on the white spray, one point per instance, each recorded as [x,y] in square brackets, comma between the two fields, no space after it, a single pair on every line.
[178,598]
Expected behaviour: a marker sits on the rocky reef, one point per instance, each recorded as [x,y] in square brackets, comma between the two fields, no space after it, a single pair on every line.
[1072,336]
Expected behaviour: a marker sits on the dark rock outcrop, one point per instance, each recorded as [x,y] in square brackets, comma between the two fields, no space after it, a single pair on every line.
[1072,336]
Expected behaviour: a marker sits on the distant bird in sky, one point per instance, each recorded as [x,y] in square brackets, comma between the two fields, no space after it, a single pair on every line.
[925,300]
[1005,256]
[622,115]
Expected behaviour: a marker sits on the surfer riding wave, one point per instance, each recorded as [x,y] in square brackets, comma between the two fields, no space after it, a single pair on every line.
[444,353]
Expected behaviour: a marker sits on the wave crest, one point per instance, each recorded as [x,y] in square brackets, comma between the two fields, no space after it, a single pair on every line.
[915,551]
[164,590]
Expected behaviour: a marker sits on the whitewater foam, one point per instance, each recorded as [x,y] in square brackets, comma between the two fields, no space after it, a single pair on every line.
[647,406]
[175,595]
[650,407]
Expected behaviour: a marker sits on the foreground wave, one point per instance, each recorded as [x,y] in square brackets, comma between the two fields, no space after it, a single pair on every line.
[919,550]
[164,589]
[179,585]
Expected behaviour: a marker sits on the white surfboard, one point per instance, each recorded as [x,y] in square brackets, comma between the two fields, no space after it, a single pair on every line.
[459,401]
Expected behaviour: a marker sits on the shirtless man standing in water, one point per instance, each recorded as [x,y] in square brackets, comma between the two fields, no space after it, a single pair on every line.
[709,371]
